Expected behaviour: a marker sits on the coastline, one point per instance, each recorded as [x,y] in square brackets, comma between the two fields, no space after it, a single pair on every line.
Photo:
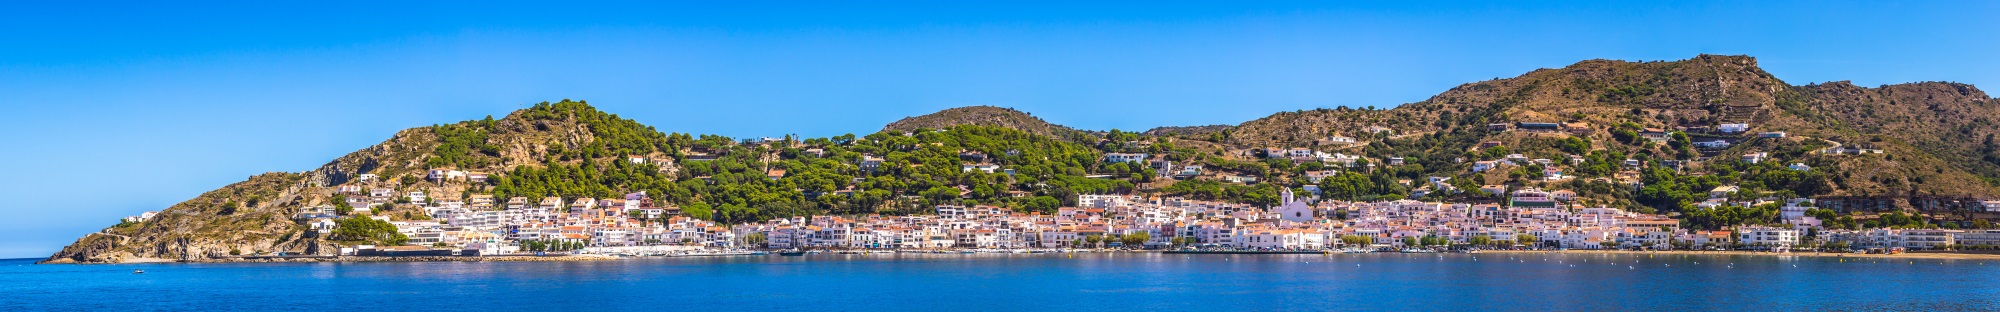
[1922,255]
[600,257]
[508,258]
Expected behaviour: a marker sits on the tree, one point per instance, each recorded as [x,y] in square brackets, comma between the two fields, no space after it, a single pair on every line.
[1525,239]
[1480,240]
[228,208]
[1356,240]
[755,239]
[1575,145]
[1138,239]
[698,210]
[340,206]
[367,230]
[1093,240]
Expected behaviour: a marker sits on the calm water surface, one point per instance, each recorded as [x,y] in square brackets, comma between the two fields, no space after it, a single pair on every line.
[1040,282]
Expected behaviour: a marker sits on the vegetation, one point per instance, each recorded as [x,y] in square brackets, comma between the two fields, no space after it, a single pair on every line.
[367,230]
[1357,240]
[739,182]
[552,245]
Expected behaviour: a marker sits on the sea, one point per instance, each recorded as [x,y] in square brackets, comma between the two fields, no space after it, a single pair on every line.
[1027,282]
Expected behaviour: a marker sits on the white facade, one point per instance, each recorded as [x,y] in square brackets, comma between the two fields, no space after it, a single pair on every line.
[1778,239]
[1293,210]
[1125,157]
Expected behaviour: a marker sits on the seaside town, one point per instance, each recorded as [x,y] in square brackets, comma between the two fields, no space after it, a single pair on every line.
[1407,210]
[1529,219]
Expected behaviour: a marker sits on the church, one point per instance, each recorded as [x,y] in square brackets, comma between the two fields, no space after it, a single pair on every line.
[1291,209]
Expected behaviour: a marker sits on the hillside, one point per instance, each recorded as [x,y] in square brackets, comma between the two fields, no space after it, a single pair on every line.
[570,150]
[987,116]
[1647,136]
[256,215]
[1952,121]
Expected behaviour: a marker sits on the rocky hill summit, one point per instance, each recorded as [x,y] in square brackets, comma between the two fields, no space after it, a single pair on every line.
[987,116]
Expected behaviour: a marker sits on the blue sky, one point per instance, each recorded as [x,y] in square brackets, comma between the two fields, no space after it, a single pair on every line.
[117,108]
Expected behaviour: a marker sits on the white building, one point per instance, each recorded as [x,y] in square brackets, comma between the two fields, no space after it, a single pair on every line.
[1976,238]
[1777,239]
[1125,157]
[1754,158]
[1926,239]
[1282,239]
[1293,210]
[1483,165]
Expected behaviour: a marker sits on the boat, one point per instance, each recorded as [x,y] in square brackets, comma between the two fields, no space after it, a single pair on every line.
[138,271]
[792,253]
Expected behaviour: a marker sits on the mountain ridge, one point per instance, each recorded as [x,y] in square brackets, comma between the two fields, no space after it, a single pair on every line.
[568,148]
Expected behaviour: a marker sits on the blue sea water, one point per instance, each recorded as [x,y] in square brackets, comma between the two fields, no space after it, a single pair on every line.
[1037,282]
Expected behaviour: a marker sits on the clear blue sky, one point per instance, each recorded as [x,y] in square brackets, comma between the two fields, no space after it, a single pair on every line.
[118,108]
